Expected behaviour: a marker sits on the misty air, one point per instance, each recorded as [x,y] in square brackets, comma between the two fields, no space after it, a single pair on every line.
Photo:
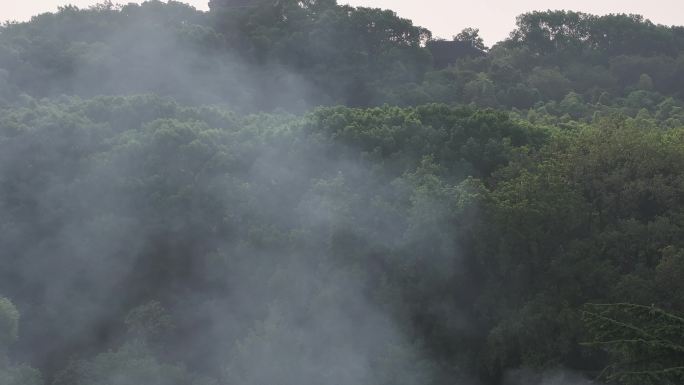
[285,192]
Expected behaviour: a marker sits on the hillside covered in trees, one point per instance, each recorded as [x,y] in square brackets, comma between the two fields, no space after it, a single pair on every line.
[298,192]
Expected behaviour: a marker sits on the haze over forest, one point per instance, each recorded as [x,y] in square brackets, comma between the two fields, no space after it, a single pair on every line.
[307,192]
[445,18]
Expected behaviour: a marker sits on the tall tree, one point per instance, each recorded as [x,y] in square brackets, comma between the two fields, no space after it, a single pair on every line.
[472,36]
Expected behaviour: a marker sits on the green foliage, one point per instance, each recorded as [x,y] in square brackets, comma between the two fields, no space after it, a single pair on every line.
[9,330]
[668,280]
[451,222]
[323,53]
[149,321]
[437,211]
[9,323]
[645,342]
[472,36]
[185,196]
[131,364]
[320,52]
[588,217]
[21,375]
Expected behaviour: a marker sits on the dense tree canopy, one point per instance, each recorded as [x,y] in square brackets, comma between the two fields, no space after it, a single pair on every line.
[289,192]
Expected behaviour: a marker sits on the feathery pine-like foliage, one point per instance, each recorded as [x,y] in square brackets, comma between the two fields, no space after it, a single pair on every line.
[646,344]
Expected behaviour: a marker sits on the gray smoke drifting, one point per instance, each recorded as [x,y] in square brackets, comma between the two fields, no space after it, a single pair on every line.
[236,228]
[152,48]
[551,377]
[152,242]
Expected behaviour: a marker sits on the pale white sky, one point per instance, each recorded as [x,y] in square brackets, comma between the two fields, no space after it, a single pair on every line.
[495,18]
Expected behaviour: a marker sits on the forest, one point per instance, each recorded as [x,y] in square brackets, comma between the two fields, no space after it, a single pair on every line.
[297,192]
